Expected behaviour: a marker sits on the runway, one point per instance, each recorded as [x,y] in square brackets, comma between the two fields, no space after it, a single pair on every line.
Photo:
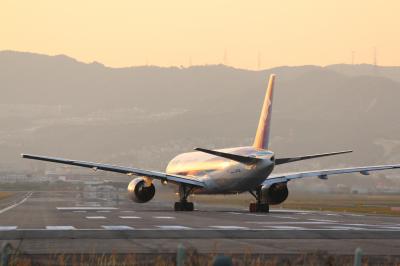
[67,222]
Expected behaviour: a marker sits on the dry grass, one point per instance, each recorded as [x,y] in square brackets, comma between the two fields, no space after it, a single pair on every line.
[5,194]
[193,258]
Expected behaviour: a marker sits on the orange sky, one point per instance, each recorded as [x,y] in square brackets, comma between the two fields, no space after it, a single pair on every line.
[175,32]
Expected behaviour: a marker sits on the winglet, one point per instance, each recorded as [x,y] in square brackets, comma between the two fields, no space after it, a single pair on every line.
[261,140]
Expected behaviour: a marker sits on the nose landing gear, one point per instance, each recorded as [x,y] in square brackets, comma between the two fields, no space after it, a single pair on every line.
[261,205]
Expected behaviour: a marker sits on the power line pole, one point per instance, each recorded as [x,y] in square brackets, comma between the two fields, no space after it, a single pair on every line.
[376,70]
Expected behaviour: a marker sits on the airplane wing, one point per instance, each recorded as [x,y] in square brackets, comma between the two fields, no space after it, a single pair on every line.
[119,169]
[323,174]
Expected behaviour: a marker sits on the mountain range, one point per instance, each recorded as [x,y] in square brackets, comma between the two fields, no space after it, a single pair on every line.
[143,116]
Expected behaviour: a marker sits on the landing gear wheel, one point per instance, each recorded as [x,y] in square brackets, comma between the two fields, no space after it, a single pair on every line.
[259,207]
[252,207]
[183,206]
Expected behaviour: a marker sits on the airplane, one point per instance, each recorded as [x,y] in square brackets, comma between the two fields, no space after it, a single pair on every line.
[224,171]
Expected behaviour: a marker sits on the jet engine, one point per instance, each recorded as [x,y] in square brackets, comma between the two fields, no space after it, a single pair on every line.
[275,193]
[140,190]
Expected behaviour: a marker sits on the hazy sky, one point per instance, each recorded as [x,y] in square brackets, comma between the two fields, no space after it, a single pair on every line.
[177,32]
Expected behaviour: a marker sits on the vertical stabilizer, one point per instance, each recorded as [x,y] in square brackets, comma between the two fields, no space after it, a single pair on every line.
[264,125]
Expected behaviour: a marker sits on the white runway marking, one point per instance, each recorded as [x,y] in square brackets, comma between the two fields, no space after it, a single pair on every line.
[60,227]
[332,214]
[85,208]
[235,213]
[373,225]
[355,215]
[95,217]
[117,227]
[16,204]
[163,217]
[283,227]
[80,211]
[392,227]
[7,228]
[278,223]
[346,228]
[103,211]
[322,220]
[290,210]
[230,227]
[127,211]
[173,227]
[257,215]
[285,217]
[130,217]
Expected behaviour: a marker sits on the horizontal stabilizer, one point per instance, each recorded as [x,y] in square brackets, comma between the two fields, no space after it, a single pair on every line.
[233,157]
[306,157]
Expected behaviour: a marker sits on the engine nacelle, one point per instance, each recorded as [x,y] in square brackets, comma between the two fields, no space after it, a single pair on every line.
[276,193]
[139,191]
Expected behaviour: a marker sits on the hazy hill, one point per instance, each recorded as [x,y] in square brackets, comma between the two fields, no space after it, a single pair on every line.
[145,115]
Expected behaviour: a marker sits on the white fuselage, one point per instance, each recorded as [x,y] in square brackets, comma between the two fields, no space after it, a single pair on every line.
[220,175]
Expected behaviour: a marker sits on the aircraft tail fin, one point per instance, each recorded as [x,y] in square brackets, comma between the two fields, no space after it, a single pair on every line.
[261,140]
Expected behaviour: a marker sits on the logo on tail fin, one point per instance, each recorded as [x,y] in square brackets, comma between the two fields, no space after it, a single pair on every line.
[264,125]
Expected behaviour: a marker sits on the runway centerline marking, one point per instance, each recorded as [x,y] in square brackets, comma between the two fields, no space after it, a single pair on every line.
[173,227]
[283,227]
[257,215]
[392,227]
[290,210]
[346,228]
[322,220]
[332,214]
[278,223]
[163,217]
[16,204]
[103,211]
[95,217]
[130,217]
[117,227]
[229,227]
[60,227]
[285,217]
[371,225]
[85,208]
[355,215]
[7,228]
[80,211]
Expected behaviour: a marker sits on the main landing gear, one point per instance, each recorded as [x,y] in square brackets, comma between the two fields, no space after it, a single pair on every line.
[183,204]
[260,205]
